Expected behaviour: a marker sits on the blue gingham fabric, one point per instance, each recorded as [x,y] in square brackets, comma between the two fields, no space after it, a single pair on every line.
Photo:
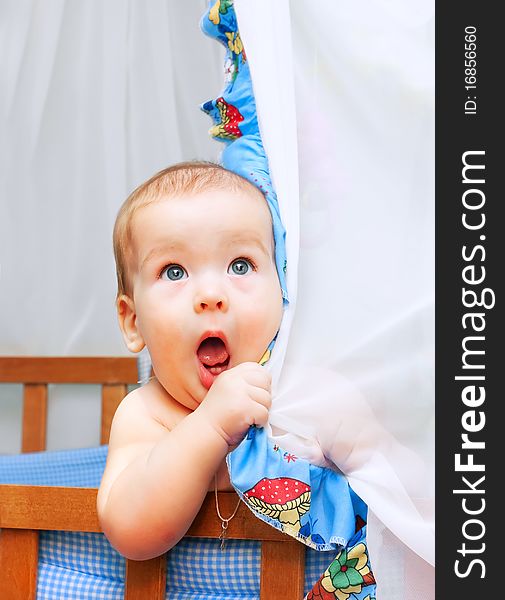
[72,468]
[84,566]
[76,565]
[199,569]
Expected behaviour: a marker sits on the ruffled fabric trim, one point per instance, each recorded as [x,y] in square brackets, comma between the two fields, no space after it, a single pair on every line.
[314,504]
[236,122]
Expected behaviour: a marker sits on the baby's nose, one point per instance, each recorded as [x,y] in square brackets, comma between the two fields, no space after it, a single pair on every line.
[211,299]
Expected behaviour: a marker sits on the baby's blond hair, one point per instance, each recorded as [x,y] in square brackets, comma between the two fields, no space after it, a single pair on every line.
[181,178]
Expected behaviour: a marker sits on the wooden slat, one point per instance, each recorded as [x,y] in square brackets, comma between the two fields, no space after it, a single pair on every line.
[146,579]
[74,509]
[48,507]
[282,570]
[34,417]
[112,394]
[18,558]
[244,526]
[68,369]
[26,509]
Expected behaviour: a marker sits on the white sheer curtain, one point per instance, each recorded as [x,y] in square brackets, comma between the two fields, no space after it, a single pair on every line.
[357,384]
[96,96]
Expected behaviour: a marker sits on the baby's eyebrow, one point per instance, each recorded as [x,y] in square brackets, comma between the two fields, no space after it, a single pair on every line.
[229,241]
[247,240]
[162,249]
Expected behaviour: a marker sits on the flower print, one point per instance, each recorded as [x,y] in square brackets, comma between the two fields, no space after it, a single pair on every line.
[230,71]
[220,7]
[234,42]
[349,568]
[214,13]
[318,592]
[346,575]
[276,448]
[289,457]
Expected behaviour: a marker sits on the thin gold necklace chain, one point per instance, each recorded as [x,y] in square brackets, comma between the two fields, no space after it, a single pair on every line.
[224,522]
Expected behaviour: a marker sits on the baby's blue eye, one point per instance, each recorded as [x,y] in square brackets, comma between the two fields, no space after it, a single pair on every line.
[173,272]
[241,266]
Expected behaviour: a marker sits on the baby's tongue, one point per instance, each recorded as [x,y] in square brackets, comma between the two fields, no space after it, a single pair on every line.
[212,352]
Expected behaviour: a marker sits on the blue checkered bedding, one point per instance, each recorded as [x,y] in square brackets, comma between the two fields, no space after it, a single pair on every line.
[84,566]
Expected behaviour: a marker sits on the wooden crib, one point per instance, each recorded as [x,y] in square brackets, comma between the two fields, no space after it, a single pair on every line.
[26,509]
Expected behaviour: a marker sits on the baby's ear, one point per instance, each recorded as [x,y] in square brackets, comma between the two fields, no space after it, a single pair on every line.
[128,323]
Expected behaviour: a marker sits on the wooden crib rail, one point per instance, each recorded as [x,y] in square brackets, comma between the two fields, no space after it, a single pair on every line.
[24,510]
[113,373]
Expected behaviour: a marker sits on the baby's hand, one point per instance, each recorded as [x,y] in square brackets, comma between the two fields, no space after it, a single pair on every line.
[238,398]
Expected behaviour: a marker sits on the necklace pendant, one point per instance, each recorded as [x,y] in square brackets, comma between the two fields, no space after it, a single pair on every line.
[224,522]
[222,535]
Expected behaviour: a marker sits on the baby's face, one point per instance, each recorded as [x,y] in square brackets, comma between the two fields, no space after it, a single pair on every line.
[204,270]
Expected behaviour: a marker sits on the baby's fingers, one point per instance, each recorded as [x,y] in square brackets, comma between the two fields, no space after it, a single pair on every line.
[261,396]
[259,377]
[260,415]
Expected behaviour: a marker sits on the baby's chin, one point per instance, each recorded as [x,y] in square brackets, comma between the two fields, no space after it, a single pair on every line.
[190,399]
[189,396]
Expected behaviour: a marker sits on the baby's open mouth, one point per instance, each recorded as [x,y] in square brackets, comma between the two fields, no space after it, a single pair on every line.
[213,355]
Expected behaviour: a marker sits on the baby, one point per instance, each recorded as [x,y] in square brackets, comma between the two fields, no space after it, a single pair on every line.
[198,286]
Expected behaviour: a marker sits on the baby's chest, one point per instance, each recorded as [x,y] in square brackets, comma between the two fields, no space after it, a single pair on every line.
[170,414]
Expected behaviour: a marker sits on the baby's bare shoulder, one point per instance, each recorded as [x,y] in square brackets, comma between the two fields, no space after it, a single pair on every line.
[143,416]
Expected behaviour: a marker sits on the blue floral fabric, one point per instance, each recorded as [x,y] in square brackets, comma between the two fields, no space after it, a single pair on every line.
[236,122]
[294,496]
[313,504]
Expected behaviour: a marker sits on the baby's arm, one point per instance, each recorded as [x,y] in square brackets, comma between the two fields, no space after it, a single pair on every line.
[156,480]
